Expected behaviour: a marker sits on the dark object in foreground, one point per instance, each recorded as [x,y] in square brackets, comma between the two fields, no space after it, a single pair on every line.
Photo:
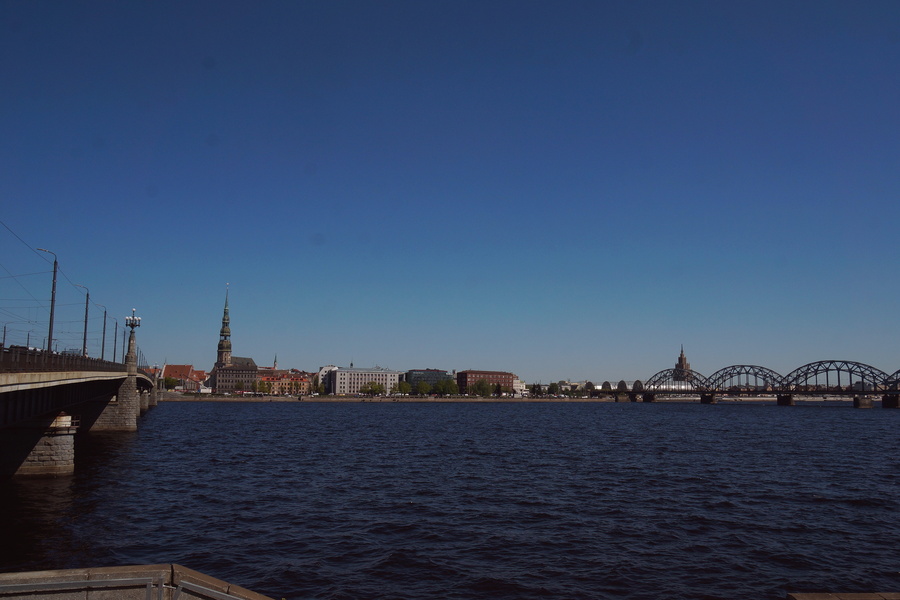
[846,596]
[141,582]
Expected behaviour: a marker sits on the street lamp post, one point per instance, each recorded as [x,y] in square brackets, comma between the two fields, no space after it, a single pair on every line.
[52,299]
[103,340]
[115,338]
[132,321]
[87,300]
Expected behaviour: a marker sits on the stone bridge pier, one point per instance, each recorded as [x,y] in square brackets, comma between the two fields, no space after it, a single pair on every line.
[121,412]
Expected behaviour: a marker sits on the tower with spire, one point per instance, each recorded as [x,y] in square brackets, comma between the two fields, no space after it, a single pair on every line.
[231,373]
[223,357]
[682,368]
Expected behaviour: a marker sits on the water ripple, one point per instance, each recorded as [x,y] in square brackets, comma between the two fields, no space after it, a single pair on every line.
[510,501]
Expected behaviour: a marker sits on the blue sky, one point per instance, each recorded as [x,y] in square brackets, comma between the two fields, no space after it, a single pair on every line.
[565,190]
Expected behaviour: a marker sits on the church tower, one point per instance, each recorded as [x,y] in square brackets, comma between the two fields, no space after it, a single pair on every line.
[223,358]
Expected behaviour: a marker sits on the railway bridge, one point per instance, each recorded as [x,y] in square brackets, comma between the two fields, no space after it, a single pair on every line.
[822,378]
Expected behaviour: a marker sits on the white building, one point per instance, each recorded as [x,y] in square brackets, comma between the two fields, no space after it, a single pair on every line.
[349,380]
[519,388]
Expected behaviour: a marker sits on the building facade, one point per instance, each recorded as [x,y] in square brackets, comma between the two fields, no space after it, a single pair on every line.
[341,381]
[186,378]
[280,383]
[429,376]
[466,379]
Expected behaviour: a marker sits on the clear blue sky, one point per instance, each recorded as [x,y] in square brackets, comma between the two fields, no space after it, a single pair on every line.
[565,190]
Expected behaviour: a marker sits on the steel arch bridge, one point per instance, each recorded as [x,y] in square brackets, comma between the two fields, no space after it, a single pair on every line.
[675,381]
[826,377]
[893,381]
[743,379]
[807,379]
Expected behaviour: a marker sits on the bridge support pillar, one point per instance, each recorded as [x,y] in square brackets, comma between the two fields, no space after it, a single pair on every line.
[862,402]
[622,398]
[785,399]
[122,412]
[707,398]
[53,449]
[649,397]
[890,401]
[145,401]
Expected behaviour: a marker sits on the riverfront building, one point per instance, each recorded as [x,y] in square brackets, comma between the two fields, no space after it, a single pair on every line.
[466,379]
[349,380]
[429,376]
[231,373]
[185,377]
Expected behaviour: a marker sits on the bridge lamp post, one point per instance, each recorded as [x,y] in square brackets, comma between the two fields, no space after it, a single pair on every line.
[87,300]
[115,338]
[132,322]
[103,339]
[52,298]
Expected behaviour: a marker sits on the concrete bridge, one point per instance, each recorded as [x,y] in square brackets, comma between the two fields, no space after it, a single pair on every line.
[45,398]
[822,378]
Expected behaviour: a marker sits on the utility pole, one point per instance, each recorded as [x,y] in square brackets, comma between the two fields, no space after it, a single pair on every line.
[52,298]
[103,340]
[87,300]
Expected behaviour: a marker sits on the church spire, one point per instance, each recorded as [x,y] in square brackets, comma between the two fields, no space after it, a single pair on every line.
[223,357]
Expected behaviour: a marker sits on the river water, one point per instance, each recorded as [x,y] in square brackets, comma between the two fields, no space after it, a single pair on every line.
[496,500]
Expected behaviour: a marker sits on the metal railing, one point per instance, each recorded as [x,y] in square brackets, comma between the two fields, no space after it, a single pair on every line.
[20,359]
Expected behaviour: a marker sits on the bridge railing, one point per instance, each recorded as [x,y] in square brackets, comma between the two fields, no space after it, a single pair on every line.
[20,359]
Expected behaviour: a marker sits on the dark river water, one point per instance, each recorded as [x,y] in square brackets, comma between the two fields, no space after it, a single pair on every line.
[509,501]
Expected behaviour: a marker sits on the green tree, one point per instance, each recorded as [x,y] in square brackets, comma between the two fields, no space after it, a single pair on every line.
[239,386]
[482,388]
[404,388]
[553,389]
[422,388]
[536,389]
[498,390]
[170,383]
[372,388]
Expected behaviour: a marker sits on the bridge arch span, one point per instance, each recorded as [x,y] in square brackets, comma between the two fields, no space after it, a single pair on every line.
[745,378]
[676,381]
[892,382]
[839,376]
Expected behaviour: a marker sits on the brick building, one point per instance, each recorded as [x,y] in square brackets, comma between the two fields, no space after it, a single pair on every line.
[466,379]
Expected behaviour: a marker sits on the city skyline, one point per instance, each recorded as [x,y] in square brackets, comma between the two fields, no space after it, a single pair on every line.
[561,191]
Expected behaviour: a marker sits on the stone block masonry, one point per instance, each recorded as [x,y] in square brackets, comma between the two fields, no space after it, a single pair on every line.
[54,451]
